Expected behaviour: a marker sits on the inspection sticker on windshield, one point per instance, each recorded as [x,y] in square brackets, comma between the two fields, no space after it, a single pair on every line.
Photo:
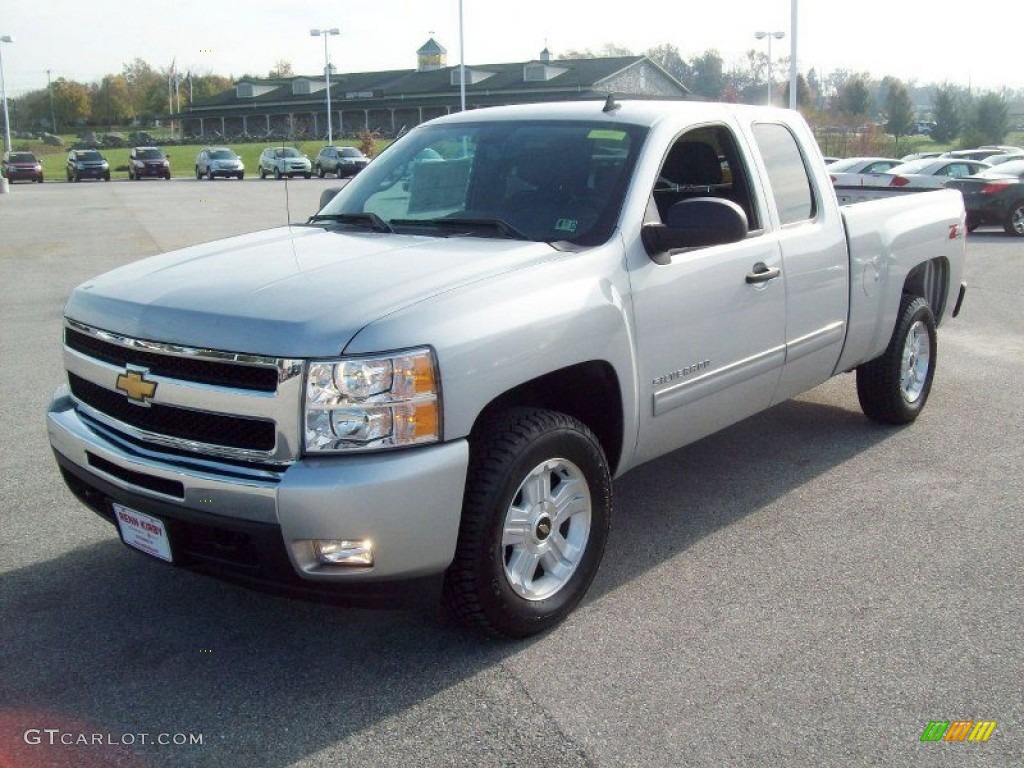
[566,225]
[143,532]
[604,133]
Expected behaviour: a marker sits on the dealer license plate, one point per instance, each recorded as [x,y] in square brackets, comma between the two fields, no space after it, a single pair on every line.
[143,532]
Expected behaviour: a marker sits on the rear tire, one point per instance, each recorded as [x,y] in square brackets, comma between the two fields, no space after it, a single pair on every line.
[1014,224]
[535,521]
[893,388]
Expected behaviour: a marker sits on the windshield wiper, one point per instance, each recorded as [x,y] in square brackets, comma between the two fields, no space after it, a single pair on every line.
[491,227]
[371,220]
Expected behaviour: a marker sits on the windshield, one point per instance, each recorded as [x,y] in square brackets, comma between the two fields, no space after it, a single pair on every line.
[349,152]
[90,156]
[222,154]
[914,166]
[22,157]
[541,180]
[151,154]
[287,152]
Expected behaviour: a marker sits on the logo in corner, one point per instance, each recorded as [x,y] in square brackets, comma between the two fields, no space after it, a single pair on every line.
[134,384]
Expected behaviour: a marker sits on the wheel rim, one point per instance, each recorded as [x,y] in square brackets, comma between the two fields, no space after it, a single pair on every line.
[917,355]
[1017,220]
[546,529]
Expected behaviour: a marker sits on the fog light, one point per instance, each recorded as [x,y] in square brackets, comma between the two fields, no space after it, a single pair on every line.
[344,552]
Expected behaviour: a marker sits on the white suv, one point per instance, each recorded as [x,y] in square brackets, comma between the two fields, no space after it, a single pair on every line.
[284,161]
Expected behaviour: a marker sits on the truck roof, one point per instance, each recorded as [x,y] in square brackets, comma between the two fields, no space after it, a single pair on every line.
[638,112]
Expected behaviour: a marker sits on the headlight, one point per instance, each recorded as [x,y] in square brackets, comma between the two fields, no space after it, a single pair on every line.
[366,403]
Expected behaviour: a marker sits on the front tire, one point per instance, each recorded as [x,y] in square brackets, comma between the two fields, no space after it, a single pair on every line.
[1014,224]
[199,174]
[277,174]
[893,388]
[535,521]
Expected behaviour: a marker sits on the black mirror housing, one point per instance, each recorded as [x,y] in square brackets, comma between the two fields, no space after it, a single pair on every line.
[694,223]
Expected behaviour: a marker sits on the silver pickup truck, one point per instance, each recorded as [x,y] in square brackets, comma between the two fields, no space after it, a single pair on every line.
[432,383]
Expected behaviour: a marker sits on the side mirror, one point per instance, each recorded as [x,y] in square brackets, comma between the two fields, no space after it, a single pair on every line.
[329,194]
[694,223]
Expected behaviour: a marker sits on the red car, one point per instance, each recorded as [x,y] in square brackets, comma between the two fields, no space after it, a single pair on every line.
[19,166]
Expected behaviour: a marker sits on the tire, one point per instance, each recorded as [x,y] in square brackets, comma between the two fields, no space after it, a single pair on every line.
[893,388]
[1014,224]
[131,176]
[199,176]
[209,174]
[167,176]
[106,177]
[277,174]
[307,175]
[76,178]
[241,176]
[40,179]
[262,174]
[319,172]
[535,522]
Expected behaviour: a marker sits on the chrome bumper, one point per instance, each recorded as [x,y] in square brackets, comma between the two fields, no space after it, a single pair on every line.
[407,502]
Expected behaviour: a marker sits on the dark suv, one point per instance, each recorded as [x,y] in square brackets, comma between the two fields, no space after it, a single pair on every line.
[148,161]
[341,161]
[18,166]
[87,164]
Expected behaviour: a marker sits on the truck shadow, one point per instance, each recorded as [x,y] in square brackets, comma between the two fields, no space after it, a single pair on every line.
[104,639]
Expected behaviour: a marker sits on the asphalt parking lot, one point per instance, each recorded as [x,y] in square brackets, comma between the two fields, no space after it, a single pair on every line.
[805,588]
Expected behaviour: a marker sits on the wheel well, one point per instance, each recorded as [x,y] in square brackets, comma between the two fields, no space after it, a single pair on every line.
[587,391]
[930,280]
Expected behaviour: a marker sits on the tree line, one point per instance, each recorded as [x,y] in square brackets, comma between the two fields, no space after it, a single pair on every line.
[141,94]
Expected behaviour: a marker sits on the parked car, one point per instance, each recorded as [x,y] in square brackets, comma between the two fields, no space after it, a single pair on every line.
[148,161]
[341,161]
[995,196]
[284,161]
[918,156]
[389,416]
[86,164]
[1005,157]
[981,153]
[929,173]
[22,166]
[212,162]
[853,170]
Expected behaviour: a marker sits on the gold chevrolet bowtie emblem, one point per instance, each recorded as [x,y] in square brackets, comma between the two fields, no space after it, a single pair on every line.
[134,384]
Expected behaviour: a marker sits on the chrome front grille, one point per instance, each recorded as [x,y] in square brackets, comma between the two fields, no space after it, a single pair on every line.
[204,402]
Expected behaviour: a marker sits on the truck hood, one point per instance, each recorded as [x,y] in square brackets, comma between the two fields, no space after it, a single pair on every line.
[288,292]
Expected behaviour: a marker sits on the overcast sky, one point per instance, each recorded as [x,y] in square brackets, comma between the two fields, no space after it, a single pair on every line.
[977,44]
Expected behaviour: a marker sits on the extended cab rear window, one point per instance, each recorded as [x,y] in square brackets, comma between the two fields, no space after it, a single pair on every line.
[787,173]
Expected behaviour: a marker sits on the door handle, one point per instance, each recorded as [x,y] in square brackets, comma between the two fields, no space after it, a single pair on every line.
[762,273]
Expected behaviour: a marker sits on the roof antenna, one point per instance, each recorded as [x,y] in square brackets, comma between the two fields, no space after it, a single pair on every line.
[610,104]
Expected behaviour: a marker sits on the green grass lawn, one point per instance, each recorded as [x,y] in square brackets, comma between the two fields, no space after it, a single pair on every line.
[182,157]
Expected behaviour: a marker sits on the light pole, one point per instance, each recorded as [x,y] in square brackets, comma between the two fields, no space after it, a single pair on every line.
[53,115]
[769,35]
[3,94]
[325,33]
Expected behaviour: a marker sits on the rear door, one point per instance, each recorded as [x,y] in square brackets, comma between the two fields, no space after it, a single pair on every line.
[815,257]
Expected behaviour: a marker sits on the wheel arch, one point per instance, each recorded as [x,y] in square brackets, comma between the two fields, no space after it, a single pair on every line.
[930,281]
[588,391]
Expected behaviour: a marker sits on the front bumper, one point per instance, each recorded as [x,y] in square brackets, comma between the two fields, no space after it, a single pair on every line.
[23,174]
[255,524]
[158,171]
